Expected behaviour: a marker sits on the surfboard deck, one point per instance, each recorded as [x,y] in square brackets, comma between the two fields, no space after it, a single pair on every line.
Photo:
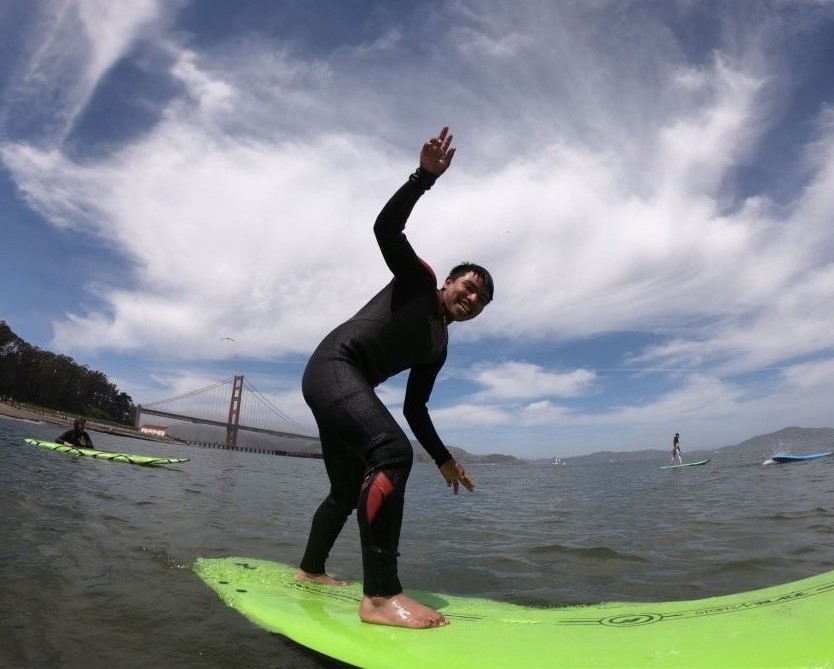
[787,457]
[782,626]
[145,460]
[687,464]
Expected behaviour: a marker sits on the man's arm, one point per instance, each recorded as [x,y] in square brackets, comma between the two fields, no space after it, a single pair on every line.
[435,158]
[417,392]
[66,437]
[388,229]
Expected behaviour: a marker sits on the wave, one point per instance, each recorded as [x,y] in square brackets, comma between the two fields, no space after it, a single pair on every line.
[594,552]
[22,420]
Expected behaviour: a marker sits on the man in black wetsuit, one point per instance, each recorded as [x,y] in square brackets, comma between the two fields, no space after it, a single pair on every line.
[366,454]
[77,436]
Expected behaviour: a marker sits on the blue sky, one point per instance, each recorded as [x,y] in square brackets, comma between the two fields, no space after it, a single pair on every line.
[650,183]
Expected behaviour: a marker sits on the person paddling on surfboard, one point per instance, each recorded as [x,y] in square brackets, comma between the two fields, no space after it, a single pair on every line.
[366,454]
[676,450]
[77,436]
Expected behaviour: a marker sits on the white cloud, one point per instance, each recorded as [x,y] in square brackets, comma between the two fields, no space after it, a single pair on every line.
[225,237]
[209,93]
[225,227]
[467,415]
[75,44]
[520,380]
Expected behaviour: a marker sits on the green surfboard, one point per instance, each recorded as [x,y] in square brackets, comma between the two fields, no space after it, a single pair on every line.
[105,455]
[782,626]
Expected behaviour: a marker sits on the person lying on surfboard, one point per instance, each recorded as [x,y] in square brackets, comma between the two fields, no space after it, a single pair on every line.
[366,454]
[77,436]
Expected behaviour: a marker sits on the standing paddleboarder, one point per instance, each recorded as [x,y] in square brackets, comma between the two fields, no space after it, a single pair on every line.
[676,449]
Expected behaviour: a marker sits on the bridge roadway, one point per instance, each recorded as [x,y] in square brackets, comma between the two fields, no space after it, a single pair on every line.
[191,419]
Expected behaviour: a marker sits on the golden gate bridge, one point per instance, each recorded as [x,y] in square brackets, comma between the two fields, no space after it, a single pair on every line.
[233,404]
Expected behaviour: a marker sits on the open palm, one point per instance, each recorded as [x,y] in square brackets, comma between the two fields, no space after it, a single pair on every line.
[437,153]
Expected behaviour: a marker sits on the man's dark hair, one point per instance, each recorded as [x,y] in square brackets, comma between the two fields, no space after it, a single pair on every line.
[466,267]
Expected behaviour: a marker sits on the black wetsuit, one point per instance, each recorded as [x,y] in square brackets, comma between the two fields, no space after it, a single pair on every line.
[74,438]
[367,455]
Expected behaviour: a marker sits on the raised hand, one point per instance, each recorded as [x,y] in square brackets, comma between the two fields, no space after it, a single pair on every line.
[437,153]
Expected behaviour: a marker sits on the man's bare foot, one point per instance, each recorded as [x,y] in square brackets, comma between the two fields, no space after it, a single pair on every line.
[399,611]
[323,579]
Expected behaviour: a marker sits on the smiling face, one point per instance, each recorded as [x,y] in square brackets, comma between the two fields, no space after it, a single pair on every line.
[464,297]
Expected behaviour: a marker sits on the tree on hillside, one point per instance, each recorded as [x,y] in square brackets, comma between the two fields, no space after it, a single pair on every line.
[57,381]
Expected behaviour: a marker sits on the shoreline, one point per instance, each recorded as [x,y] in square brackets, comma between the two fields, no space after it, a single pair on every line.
[65,421]
[23,413]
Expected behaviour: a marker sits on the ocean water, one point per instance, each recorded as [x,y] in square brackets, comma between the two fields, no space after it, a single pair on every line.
[95,557]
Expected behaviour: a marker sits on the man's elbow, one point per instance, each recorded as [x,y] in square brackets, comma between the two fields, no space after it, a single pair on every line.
[381,231]
[412,412]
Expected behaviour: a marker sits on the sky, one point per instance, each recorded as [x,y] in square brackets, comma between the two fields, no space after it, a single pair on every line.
[188,189]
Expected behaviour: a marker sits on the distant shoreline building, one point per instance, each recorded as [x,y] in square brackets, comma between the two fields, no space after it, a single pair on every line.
[156,430]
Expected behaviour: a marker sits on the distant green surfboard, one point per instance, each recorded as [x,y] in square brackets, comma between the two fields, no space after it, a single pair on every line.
[105,455]
[781,626]
[687,464]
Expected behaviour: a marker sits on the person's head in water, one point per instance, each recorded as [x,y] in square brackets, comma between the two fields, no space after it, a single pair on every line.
[79,424]
[466,291]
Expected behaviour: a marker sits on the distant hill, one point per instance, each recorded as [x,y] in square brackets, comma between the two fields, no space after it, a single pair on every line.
[790,440]
[420,455]
[795,440]
[601,457]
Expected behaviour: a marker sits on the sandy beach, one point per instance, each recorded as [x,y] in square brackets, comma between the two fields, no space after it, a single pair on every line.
[65,421]
[31,414]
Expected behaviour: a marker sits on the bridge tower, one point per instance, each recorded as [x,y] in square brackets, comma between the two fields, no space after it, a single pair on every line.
[234,412]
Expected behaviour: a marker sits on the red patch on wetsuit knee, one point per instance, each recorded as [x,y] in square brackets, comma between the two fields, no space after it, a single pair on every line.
[378,490]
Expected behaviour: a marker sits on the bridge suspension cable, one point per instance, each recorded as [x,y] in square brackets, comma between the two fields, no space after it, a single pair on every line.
[224,404]
[272,406]
[192,393]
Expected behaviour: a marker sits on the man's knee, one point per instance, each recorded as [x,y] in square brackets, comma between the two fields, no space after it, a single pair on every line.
[341,505]
[391,452]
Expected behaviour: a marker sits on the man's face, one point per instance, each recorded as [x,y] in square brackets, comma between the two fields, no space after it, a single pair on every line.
[79,427]
[464,297]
